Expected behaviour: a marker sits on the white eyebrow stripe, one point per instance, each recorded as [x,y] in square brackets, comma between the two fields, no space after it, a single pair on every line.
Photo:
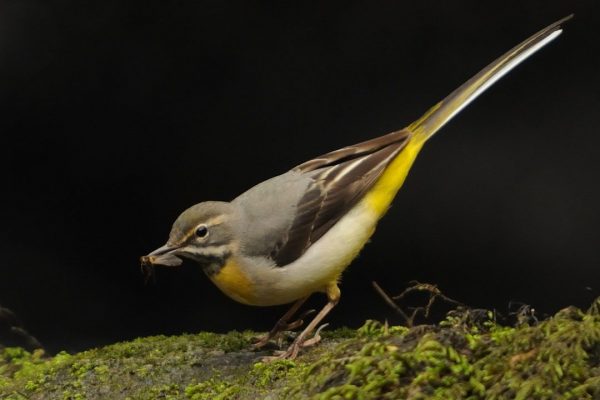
[216,251]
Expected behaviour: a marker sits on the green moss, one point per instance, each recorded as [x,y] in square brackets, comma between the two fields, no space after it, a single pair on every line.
[339,333]
[212,389]
[459,360]
[232,341]
[265,375]
[375,329]
[467,356]
[144,367]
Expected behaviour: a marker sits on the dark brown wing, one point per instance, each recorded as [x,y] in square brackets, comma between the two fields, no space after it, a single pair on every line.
[340,179]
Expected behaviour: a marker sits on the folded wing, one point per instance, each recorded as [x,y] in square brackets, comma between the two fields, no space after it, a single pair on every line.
[338,181]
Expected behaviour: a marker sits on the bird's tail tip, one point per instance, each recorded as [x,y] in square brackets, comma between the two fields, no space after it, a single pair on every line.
[437,116]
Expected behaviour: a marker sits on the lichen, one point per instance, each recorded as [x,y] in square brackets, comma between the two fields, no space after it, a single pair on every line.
[466,356]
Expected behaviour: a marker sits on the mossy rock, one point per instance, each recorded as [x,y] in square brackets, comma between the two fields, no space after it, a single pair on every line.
[467,356]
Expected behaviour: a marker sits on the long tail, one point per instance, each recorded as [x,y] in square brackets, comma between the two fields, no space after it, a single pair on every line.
[437,116]
[388,184]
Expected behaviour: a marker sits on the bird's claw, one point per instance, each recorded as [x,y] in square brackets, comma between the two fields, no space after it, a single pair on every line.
[316,337]
[282,327]
[292,351]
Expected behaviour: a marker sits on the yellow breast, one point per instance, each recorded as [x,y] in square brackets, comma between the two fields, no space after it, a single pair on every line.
[232,281]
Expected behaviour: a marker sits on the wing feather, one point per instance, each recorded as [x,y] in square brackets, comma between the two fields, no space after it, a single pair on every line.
[338,181]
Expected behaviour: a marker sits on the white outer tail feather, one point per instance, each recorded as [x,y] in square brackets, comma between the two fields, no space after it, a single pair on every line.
[444,111]
[505,70]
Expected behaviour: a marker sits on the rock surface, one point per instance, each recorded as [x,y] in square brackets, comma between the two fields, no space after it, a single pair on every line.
[466,356]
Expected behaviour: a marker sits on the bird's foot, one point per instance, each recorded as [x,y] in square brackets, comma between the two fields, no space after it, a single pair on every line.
[281,327]
[294,349]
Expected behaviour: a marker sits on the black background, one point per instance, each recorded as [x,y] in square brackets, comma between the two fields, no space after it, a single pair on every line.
[118,115]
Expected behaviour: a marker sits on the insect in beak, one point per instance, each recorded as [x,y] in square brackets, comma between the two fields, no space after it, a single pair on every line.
[163,256]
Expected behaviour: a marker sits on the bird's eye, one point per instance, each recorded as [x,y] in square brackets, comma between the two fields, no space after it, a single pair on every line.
[201,231]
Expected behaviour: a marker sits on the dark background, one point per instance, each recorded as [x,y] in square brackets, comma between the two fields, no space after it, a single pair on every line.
[118,115]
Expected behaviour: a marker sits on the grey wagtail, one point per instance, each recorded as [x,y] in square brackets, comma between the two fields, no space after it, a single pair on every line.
[294,234]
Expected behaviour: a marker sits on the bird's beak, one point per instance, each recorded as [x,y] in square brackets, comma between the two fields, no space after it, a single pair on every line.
[162,256]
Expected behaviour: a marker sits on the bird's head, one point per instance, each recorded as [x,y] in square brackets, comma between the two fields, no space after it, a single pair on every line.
[201,233]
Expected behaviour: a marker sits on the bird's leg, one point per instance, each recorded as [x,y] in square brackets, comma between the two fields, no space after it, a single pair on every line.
[333,294]
[282,324]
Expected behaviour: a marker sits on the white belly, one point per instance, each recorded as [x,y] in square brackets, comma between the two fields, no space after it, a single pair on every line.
[321,264]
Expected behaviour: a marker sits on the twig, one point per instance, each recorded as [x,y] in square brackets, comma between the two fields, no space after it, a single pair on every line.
[391,303]
[433,291]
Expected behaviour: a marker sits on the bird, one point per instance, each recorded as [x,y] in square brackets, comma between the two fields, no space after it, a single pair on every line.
[293,235]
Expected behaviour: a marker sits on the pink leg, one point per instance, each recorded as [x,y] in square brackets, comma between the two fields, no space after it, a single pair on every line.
[333,294]
[282,324]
